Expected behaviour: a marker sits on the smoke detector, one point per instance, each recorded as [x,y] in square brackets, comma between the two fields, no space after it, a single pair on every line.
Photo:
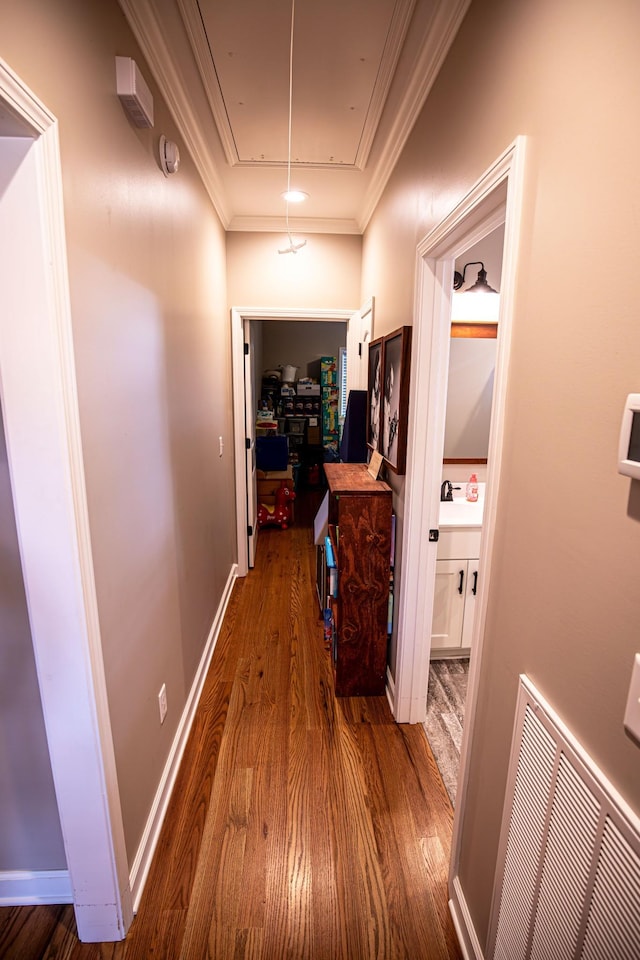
[169,156]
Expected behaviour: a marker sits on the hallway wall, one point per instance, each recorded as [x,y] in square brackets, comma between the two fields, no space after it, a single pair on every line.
[324,274]
[564,607]
[148,297]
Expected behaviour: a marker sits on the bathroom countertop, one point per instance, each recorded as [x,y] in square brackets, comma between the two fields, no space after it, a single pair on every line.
[460,513]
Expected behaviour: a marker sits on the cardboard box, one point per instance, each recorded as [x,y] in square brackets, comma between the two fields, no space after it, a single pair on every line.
[268,481]
[308,389]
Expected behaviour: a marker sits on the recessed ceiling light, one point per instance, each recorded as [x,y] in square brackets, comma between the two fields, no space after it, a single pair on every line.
[295,196]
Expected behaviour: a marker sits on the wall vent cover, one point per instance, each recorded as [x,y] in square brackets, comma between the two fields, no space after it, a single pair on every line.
[568,881]
[133,92]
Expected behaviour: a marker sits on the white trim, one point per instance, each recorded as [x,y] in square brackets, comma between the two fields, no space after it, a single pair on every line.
[238,316]
[144,856]
[465,930]
[239,448]
[37,374]
[282,313]
[296,224]
[28,887]
[390,689]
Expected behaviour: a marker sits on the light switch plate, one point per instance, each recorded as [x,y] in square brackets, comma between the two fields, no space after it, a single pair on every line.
[632,713]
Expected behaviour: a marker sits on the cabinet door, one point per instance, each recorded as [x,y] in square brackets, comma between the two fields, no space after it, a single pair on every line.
[448,604]
[470,590]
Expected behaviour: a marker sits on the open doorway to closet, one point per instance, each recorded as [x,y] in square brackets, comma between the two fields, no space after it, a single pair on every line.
[249,360]
[299,396]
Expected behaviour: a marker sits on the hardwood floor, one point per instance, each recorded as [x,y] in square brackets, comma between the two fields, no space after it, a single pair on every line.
[301,825]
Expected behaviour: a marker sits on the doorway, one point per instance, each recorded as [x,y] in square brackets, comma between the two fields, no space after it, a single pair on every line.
[41,423]
[358,334]
[470,380]
[497,197]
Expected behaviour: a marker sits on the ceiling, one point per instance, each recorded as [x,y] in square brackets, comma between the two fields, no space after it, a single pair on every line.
[362,70]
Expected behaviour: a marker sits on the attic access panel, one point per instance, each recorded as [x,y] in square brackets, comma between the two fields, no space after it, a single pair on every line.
[344,59]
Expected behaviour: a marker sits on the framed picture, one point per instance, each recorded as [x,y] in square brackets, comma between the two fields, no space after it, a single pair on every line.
[396,360]
[374,405]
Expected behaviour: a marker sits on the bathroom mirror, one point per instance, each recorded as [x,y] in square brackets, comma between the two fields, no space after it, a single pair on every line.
[472,363]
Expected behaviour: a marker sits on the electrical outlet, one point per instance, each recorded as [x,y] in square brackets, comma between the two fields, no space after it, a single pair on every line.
[162,702]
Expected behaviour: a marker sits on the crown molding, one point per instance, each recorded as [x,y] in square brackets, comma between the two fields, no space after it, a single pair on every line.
[397,33]
[298,225]
[146,28]
[192,19]
[444,26]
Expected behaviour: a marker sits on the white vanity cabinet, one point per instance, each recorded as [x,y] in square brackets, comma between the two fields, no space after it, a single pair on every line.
[455,591]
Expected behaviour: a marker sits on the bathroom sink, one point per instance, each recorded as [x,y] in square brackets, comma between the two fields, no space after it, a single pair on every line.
[460,513]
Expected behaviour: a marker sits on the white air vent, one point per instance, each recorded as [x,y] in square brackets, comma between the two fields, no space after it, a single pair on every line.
[134,94]
[568,887]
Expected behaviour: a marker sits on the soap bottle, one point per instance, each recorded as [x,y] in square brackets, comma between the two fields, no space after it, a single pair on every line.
[472,488]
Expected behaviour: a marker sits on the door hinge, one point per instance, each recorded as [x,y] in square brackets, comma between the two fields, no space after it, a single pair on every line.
[434,536]
[249,530]
[246,349]
[247,442]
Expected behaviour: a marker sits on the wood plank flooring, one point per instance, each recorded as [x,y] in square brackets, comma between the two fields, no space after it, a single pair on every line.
[301,825]
[446,699]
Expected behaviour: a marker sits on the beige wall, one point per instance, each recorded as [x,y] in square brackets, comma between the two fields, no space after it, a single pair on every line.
[299,342]
[564,604]
[324,274]
[151,332]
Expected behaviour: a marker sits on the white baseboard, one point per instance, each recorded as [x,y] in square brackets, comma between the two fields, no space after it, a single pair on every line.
[467,937]
[144,855]
[26,887]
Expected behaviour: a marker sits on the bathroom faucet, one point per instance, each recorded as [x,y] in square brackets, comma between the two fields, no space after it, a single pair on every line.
[446,490]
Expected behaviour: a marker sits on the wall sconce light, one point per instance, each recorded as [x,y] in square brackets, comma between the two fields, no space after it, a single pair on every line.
[482,309]
[169,156]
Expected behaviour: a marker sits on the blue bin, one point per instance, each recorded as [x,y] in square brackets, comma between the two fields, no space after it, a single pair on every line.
[272,453]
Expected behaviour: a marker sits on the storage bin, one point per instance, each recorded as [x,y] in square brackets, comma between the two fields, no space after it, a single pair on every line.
[272,453]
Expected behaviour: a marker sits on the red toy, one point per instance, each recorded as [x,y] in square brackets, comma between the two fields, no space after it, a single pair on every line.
[279,513]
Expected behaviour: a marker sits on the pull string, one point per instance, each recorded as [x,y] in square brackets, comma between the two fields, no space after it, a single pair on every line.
[293,247]
[293,17]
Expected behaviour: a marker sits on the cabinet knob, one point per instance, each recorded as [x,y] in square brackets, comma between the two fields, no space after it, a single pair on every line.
[474,588]
[461,581]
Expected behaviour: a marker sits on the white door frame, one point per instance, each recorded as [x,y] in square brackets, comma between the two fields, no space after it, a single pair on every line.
[40,408]
[238,316]
[496,197]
